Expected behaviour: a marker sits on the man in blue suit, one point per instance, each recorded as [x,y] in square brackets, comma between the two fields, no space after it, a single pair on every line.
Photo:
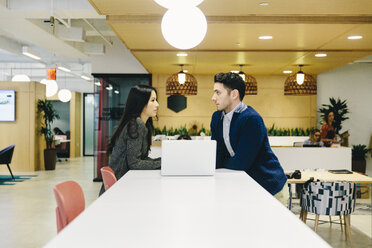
[241,135]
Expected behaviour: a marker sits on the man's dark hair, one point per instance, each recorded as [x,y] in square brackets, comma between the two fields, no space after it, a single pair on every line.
[232,81]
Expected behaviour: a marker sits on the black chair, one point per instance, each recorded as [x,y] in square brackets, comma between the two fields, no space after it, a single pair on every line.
[63,150]
[6,157]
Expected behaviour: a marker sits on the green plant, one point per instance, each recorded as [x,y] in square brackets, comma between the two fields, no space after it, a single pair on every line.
[339,109]
[49,114]
[156,131]
[273,131]
[202,130]
[359,152]
[183,130]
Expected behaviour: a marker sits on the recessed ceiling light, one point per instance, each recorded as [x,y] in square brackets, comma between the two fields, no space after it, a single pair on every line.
[320,55]
[355,37]
[265,37]
[181,54]
[264,3]
[287,72]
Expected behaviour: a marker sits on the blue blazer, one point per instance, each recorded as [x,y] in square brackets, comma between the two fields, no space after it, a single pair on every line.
[253,154]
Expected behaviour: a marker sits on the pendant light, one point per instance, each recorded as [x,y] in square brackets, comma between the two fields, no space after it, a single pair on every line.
[300,76]
[64,95]
[181,76]
[181,83]
[250,82]
[241,73]
[293,87]
[21,78]
[184,27]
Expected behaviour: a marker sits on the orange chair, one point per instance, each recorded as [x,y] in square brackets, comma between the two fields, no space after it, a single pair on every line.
[70,202]
[108,177]
[59,220]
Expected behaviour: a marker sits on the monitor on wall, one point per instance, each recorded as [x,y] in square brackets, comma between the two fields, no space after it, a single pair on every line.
[7,105]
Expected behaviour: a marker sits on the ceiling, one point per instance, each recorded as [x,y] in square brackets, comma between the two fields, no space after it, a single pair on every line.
[23,23]
[300,29]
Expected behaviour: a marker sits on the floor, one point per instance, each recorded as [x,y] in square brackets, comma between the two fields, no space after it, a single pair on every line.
[27,209]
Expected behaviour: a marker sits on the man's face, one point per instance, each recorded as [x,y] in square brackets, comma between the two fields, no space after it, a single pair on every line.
[221,97]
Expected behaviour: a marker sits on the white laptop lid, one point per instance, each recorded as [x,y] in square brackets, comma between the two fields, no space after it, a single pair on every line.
[188,157]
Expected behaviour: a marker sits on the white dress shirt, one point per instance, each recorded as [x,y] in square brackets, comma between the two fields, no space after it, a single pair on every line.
[226,125]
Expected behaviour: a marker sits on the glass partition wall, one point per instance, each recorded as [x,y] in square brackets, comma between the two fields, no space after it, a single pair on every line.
[110,95]
[88,122]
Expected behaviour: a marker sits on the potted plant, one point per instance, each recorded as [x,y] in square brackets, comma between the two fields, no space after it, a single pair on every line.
[359,155]
[49,114]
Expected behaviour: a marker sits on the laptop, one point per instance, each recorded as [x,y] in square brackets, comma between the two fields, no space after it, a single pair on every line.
[188,157]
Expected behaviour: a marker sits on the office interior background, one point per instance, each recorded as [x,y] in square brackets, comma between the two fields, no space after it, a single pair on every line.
[97,44]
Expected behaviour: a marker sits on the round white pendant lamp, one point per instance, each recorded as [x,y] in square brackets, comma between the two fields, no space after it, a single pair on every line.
[185,27]
[64,95]
[21,78]
[51,88]
[176,3]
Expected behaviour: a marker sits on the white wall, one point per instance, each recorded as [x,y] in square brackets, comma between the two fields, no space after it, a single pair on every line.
[117,59]
[352,82]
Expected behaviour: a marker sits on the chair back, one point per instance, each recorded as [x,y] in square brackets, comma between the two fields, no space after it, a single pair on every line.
[59,220]
[329,198]
[108,177]
[6,155]
[70,201]
[298,144]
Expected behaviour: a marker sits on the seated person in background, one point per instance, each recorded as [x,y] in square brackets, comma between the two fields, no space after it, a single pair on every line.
[328,133]
[184,137]
[58,131]
[314,138]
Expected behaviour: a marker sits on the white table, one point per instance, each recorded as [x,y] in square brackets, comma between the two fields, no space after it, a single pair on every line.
[144,209]
[300,158]
[310,157]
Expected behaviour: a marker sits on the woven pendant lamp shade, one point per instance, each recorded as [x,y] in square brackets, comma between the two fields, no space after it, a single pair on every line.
[173,87]
[250,85]
[291,87]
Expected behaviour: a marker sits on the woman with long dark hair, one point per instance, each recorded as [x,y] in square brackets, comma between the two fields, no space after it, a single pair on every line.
[328,133]
[130,143]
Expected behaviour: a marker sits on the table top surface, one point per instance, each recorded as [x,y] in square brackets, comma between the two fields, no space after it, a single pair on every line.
[145,209]
[326,176]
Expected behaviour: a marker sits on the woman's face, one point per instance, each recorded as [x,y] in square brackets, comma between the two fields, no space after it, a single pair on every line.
[331,117]
[151,108]
[317,136]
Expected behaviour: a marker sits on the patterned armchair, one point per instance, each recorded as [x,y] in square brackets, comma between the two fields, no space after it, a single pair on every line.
[329,198]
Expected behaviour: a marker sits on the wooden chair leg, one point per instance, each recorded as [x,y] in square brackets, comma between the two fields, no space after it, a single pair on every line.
[330,220]
[316,223]
[341,223]
[347,228]
[304,216]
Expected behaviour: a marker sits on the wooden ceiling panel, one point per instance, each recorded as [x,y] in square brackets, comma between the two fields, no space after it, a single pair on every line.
[224,36]
[285,36]
[299,28]
[342,42]
[241,7]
